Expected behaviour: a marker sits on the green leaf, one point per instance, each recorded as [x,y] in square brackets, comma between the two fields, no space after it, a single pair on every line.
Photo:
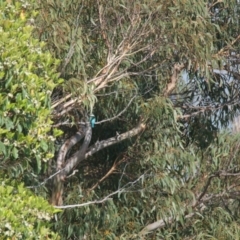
[15,152]
[2,148]
[9,124]
[44,145]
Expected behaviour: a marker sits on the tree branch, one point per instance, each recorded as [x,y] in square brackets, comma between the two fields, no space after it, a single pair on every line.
[226,48]
[67,146]
[78,156]
[205,188]
[160,224]
[108,197]
[111,170]
[174,78]
[58,180]
[201,199]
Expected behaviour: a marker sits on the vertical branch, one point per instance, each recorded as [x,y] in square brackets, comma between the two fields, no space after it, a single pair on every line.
[58,181]
[74,160]
[66,147]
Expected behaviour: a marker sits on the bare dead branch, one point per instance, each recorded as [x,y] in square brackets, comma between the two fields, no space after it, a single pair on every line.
[100,122]
[111,170]
[129,46]
[82,154]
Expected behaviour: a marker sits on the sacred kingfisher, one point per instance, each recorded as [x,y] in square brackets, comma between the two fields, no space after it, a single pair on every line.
[92,120]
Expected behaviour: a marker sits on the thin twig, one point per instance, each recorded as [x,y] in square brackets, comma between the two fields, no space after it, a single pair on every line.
[118,115]
[108,197]
[46,180]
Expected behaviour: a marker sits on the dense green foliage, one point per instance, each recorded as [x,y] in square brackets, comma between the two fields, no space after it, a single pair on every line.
[27,79]
[23,215]
[161,77]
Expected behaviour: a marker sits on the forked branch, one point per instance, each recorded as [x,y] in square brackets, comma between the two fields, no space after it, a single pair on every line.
[82,154]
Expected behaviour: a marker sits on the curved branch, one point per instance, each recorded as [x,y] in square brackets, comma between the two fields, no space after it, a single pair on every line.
[206,187]
[96,147]
[58,185]
[79,156]
[66,147]
[74,160]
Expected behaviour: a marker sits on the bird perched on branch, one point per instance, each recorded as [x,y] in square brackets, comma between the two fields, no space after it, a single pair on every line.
[92,120]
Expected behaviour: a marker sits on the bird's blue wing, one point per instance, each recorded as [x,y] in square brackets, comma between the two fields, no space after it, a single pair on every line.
[92,121]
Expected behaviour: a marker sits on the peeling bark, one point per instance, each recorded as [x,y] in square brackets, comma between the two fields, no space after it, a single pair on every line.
[82,154]
[78,156]
[58,181]
[59,178]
